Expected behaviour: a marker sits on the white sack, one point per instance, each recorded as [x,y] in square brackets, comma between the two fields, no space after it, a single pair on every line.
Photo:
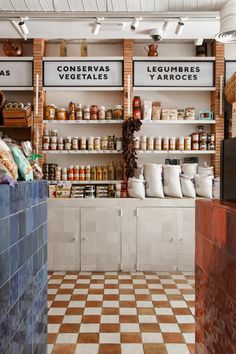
[172,185]
[136,188]
[206,170]
[189,169]
[187,185]
[203,186]
[153,178]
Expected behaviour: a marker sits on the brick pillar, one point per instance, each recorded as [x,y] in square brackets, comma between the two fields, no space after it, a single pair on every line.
[234,119]
[218,52]
[38,53]
[128,70]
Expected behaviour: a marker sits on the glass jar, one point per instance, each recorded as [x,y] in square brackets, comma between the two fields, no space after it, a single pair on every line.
[82,173]
[172,143]
[200,129]
[117,112]
[71,111]
[50,112]
[87,173]
[211,138]
[137,113]
[61,114]
[111,171]
[58,174]
[119,144]
[70,173]
[53,132]
[87,112]
[189,113]
[211,146]
[102,113]
[79,111]
[99,173]
[83,142]
[75,143]
[150,143]
[187,143]
[76,173]
[136,102]
[109,114]
[137,143]
[158,143]
[143,142]
[104,143]
[53,146]
[104,173]
[203,145]
[165,143]
[68,143]
[64,174]
[203,137]
[97,143]
[195,137]
[180,143]
[94,112]
[54,139]
[195,145]
[93,173]
[91,143]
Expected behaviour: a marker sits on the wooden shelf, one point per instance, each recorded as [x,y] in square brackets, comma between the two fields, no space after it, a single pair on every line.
[177,152]
[112,58]
[174,58]
[82,121]
[178,122]
[189,89]
[88,182]
[13,88]
[84,152]
[14,126]
[75,88]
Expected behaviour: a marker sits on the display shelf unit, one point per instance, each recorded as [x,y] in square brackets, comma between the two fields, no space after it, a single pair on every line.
[113,121]
[177,152]
[95,88]
[78,152]
[88,182]
[178,122]
[15,88]
[184,89]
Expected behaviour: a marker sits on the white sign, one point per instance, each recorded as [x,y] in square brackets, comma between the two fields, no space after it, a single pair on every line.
[230,69]
[86,73]
[155,73]
[16,73]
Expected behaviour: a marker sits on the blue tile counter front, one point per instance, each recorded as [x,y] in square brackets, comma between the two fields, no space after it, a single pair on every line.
[23,268]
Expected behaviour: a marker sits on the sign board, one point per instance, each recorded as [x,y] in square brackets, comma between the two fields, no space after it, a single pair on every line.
[230,69]
[176,73]
[16,73]
[83,73]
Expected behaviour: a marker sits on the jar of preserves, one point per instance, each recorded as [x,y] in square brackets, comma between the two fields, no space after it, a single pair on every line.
[187,143]
[137,113]
[119,145]
[104,143]
[105,173]
[93,173]
[79,111]
[136,102]
[60,146]
[60,140]
[119,171]
[87,173]
[75,143]
[211,146]
[71,111]
[70,173]
[53,132]
[172,143]
[189,113]
[143,142]
[111,171]
[203,137]
[102,113]
[50,112]
[180,143]
[195,145]
[109,114]
[158,143]
[99,173]
[117,112]
[61,114]
[150,143]
[211,138]
[68,143]
[45,146]
[165,143]
[137,143]
[195,137]
[58,174]
[203,145]
[64,174]
[83,142]
[53,146]
[82,173]
[91,143]
[46,139]
[97,143]
[87,112]
[76,173]
[54,139]
[94,112]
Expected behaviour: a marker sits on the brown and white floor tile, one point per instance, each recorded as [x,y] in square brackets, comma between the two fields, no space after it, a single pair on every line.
[121,313]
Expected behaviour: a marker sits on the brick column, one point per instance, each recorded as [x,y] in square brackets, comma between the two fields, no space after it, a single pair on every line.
[38,53]
[128,70]
[218,52]
[234,119]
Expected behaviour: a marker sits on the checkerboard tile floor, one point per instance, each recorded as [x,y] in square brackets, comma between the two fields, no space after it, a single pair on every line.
[121,313]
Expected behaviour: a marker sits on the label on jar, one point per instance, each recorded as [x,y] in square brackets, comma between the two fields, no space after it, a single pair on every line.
[45,146]
[67,146]
[158,144]
[86,115]
[53,146]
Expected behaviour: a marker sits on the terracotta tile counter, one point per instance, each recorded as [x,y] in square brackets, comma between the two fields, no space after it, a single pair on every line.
[215,277]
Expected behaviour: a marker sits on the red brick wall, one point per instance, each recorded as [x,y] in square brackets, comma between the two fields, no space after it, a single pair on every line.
[128,70]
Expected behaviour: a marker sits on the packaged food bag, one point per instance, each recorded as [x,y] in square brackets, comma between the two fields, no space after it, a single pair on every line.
[23,164]
[153,178]
[8,166]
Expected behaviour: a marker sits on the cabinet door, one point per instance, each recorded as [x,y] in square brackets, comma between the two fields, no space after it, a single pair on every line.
[186,236]
[100,239]
[157,230]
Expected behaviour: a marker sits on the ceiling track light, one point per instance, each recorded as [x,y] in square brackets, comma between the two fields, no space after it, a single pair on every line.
[23,26]
[179,27]
[135,23]
[97,25]
[18,29]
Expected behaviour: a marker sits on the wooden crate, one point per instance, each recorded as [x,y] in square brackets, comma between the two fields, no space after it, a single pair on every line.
[230,89]
[16,114]
[19,122]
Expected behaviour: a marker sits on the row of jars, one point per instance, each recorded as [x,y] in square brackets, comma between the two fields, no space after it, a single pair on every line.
[53,142]
[110,172]
[91,191]
[79,111]
[172,143]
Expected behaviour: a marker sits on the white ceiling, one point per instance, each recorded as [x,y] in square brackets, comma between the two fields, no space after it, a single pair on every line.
[111,5]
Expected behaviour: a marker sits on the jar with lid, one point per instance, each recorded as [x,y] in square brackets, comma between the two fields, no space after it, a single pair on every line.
[136,102]
[93,173]
[109,114]
[50,112]
[53,132]
[200,129]
[150,143]
[158,143]
[82,173]
[64,174]
[53,146]
[58,174]
[102,113]
[203,137]
[75,143]
[143,142]
[119,145]
[137,113]
[71,111]
[60,145]
[99,173]
[172,143]
[195,137]
[165,143]
[88,173]
[94,112]
[83,142]
[137,143]
[189,113]
[87,112]
[71,173]
[61,114]
[111,171]
[79,111]
[117,112]
[119,171]
[187,143]
[76,173]
[195,145]
[68,143]
[203,145]
[104,173]
[97,143]
[211,138]
[91,143]
[211,146]
[46,139]
[104,143]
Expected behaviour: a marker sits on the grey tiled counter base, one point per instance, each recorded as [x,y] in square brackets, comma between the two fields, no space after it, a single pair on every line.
[23,268]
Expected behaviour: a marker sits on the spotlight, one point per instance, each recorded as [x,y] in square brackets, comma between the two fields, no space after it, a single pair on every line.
[179,27]
[135,23]
[23,26]
[198,41]
[97,26]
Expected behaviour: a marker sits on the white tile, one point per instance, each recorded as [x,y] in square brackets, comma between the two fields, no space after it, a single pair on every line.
[49,348]
[169,327]
[96,286]
[189,297]
[132,349]
[71,277]
[128,311]
[89,328]
[52,291]
[110,303]
[141,291]
[92,311]
[127,297]
[159,297]
[111,273]
[139,281]
[177,348]
[129,327]
[109,338]
[147,319]
[163,273]
[83,281]
[155,286]
[137,273]
[125,286]
[111,291]
[144,304]
[109,319]
[77,304]
[72,319]
[101,277]
[164,311]
[64,338]
[149,337]
[151,276]
[111,281]
[55,281]
[189,273]
[62,298]
[167,281]
[172,292]
[189,338]
[95,298]
[85,273]
[59,273]
[87,349]
[184,286]
[178,304]
[178,276]
[56,311]
[49,304]
[80,291]
[127,277]
[185,319]
[67,286]
[53,328]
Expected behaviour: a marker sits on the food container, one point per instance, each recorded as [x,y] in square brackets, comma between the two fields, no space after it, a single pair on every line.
[50,112]
[156,110]
[200,129]
[83,142]
[105,173]
[173,114]
[143,142]
[165,143]
[203,145]
[165,114]
[53,146]
[54,139]
[117,112]
[87,112]
[82,173]
[45,146]
[102,113]
[147,110]
[68,143]
[79,111]
[137,113]
[190,113]
[203,137]
[187,143]
[211,138]
[70,173]
[91,143]
[104,143]
[53,132]
[195,145]
[93,173]
[87,173]
[71,111]
[137,102]
[119,144]
[99,173]
[158,143]
[97,143]
[76,173]
[75,143]
[150,143]
[180,143]
[211,146]
[60,146]
[109,114]
[94,112]
[137,143]
[64,174]
[195,137]
[61,114]
[180,114]
[172,143]
[46,139]
[58,174]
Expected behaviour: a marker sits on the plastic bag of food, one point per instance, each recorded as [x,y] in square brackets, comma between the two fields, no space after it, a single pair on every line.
[23,164]
[8,166]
